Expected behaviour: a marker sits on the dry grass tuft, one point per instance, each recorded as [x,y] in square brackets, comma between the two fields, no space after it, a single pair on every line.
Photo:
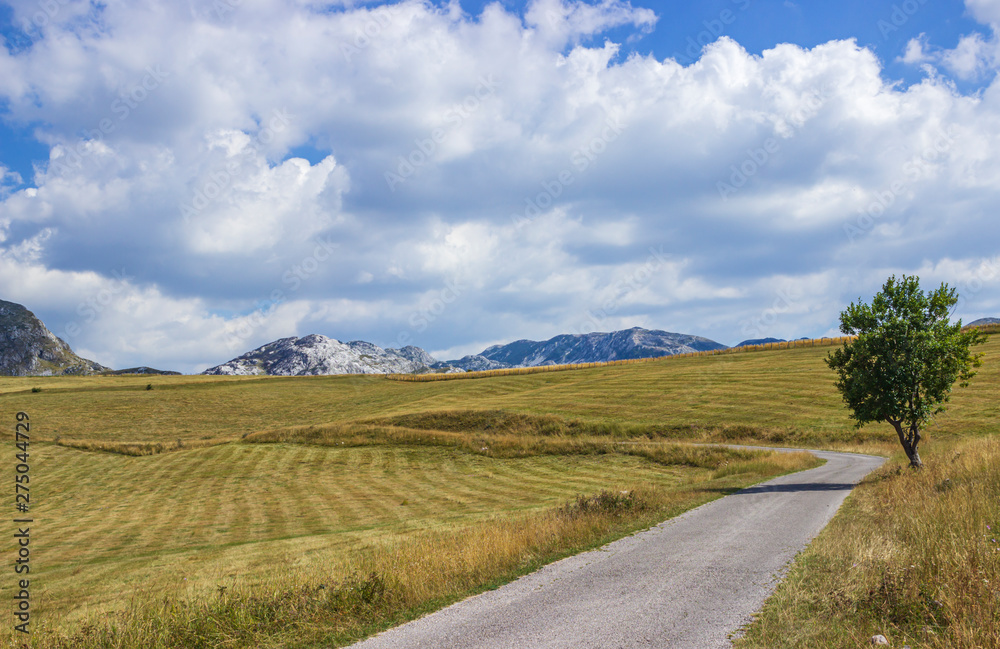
[139,449]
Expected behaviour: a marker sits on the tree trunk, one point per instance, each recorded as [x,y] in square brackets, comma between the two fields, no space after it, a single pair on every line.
[909,442]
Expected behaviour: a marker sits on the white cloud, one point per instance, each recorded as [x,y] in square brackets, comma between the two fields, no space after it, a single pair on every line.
[542,170]
[971,58]
[915,51]
[974,57]
[985,11]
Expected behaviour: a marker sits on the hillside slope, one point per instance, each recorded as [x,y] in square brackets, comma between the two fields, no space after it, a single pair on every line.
[28,348]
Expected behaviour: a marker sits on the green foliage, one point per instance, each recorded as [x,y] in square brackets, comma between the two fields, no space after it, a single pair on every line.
[905,358]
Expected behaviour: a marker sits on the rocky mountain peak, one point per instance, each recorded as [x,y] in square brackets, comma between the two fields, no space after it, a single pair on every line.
[317,354]
[28,348]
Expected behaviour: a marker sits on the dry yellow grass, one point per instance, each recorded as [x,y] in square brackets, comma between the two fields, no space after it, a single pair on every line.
[786,396]
[268,521]
[349,473]
[914,556]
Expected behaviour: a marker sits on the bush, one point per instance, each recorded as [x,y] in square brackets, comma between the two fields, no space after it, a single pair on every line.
[615,503]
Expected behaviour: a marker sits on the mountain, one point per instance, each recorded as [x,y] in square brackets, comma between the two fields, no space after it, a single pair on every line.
[316,354]
[983,321]
[142,370]
[471,363]
[28,348]
[759,341]
[587,348]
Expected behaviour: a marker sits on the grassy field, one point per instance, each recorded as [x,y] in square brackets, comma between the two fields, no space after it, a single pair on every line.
[787,392]
[229,545]
[284,511]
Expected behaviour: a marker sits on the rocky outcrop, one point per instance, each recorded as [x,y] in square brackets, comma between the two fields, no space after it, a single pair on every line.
[317,354]
[28,348]
[470,363]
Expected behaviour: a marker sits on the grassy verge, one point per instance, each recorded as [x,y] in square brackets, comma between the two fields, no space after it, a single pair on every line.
[914,556]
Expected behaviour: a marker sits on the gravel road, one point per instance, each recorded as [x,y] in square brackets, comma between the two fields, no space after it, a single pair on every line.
[689,582]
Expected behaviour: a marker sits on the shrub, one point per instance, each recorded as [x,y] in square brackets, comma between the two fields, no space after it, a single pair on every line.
[615,503]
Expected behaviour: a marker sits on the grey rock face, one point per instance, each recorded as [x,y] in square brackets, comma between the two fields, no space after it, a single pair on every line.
[28,348]
[316,354]
[471,363]
[598,347]
[414,354]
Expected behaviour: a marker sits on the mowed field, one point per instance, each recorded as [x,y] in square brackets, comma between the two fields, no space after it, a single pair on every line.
[783,390]
[307,511]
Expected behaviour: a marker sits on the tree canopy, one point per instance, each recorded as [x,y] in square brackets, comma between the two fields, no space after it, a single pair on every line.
[905,358]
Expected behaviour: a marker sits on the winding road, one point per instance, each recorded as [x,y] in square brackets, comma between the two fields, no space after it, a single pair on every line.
[689,582]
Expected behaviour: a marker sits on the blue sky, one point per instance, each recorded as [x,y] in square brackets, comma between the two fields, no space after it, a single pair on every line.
[182,182]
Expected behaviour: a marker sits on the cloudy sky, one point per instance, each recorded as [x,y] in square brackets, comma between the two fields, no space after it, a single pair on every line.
[183,181]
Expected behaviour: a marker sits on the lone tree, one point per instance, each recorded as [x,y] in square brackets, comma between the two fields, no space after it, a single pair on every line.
[901,366]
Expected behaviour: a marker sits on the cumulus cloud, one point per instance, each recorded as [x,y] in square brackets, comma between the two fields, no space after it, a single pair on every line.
[974,57]
[412,174]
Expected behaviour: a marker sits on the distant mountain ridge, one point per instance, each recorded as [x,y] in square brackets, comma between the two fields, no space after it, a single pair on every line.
[983,321]
[28,348]
[317,354]
[586,348]
[759,341]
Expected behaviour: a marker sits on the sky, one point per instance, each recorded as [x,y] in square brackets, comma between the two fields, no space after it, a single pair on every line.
[184,181]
